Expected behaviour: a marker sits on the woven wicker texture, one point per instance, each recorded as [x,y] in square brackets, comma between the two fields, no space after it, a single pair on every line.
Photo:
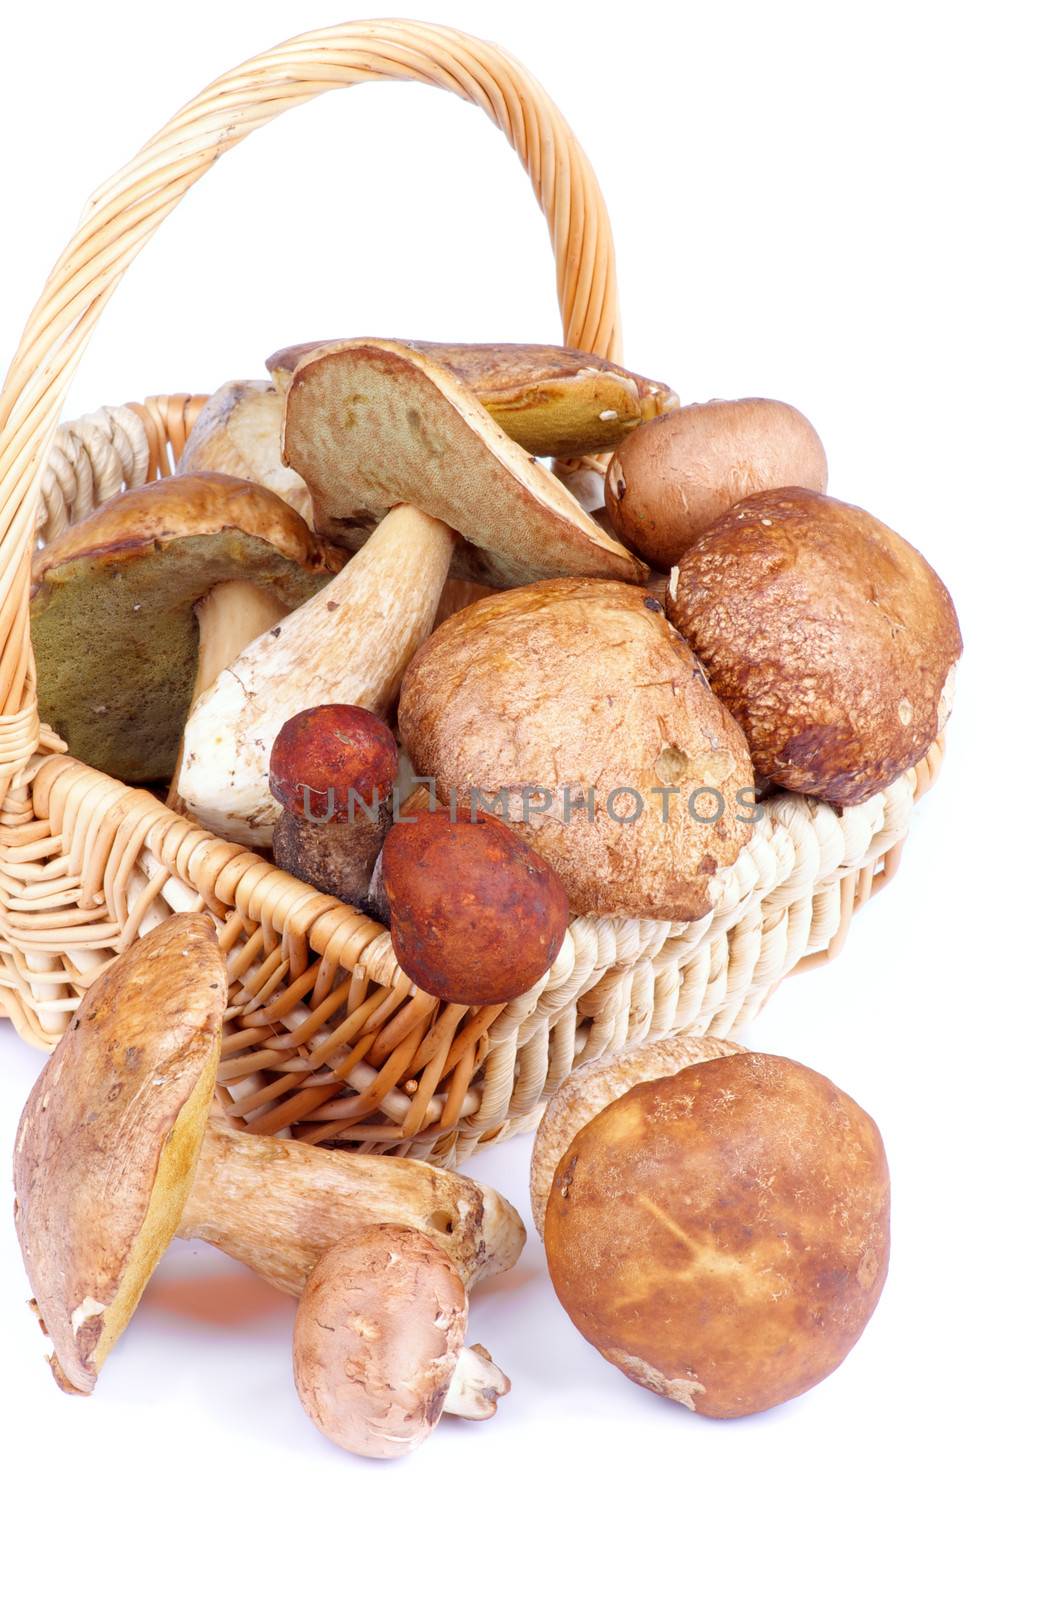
[325,1036]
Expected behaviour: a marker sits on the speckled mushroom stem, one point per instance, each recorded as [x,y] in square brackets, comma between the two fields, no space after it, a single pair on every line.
[478,1383]
[277,1205]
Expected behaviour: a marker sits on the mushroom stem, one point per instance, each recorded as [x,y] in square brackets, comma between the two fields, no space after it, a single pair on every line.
[277,1205]
[230,617]
[478,1383]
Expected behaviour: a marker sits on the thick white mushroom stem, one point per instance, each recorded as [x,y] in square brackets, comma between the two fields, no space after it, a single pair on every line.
[230,617]
[350,643]
[278,1205]
[478,1383]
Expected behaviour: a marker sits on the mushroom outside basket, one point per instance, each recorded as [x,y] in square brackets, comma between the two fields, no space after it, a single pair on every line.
[336,1043]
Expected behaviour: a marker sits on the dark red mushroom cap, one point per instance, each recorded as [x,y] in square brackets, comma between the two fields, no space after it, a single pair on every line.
[476,916]
[320,755]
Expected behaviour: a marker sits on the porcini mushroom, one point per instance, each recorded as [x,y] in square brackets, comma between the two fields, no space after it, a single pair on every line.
[721,1235]
[671,479]
[238,432]
[476,916]
[375,425]
[136,608]
[551,400]
[379,1351]
[829,638]
[584,720]
[115,1154]
[333,770]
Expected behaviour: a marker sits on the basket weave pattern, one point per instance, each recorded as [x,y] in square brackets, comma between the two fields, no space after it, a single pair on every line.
[325,1035]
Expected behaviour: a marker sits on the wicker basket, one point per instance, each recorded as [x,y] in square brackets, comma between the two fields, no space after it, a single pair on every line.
[326,1037]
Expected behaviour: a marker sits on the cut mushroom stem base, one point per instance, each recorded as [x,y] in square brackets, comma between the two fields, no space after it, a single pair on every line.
[478,1383]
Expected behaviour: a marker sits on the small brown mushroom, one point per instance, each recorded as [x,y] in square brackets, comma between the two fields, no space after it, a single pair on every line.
[333,770]
[476,916]
[829,638]
[672,478]
[585,721]
[136,609]
[115,1154]
[379,1351]
[721,1235]
[238,431]
[552,401]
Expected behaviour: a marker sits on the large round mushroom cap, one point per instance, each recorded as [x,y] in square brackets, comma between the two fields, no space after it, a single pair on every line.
[113,608]
[379,1331]
[577,701]
[830,639]
[110,1135]
[722,1235]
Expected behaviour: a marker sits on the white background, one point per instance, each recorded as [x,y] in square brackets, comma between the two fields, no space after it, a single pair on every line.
[849,207]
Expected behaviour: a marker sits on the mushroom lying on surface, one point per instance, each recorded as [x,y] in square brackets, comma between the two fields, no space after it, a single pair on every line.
[379,421]
[581,707]
[551,400]
[379,1352]
[115,1155]
[136,608]
[476,916]
[238,431]
[333,770]
[829,638]
[668,481]
[721,1235]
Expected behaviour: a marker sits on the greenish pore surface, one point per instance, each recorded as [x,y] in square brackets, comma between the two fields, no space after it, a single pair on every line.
[116,643]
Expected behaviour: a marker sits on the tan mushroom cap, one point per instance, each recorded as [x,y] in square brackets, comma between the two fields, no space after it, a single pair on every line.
[577,697]
[722,1235]
[552,400]
[238,432]
[113,604]
[378,1342]
[370,425]
[110,1136]
[830,639]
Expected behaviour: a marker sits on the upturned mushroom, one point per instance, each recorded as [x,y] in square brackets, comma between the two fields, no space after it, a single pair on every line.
[671,479]
[137,608]
[830,639]
[585,722]
[476,916]
[379,1344]
[551,400]
[333,770]
[115,1155]
[721,1235]
[373,422]
[238,432]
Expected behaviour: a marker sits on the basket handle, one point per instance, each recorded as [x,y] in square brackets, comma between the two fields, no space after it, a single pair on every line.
[122,215]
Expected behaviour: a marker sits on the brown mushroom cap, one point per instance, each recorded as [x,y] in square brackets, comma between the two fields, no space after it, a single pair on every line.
[379,1330]
[551,400]
[722,1235]
[110,1136]
[238,432]
[113,608]
[476,916]
[671,479]
[571,694]
[371,424]
[323,754]
[828,637]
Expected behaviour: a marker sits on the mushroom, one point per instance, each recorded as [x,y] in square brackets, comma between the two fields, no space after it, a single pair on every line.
[551,400]
[333,770]
[374,422]
[115,1155]
[379,1350]
[136,607]
[238,431]
[671,479]
[476,916]
[829,638]
[584,721]
[721,1235]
